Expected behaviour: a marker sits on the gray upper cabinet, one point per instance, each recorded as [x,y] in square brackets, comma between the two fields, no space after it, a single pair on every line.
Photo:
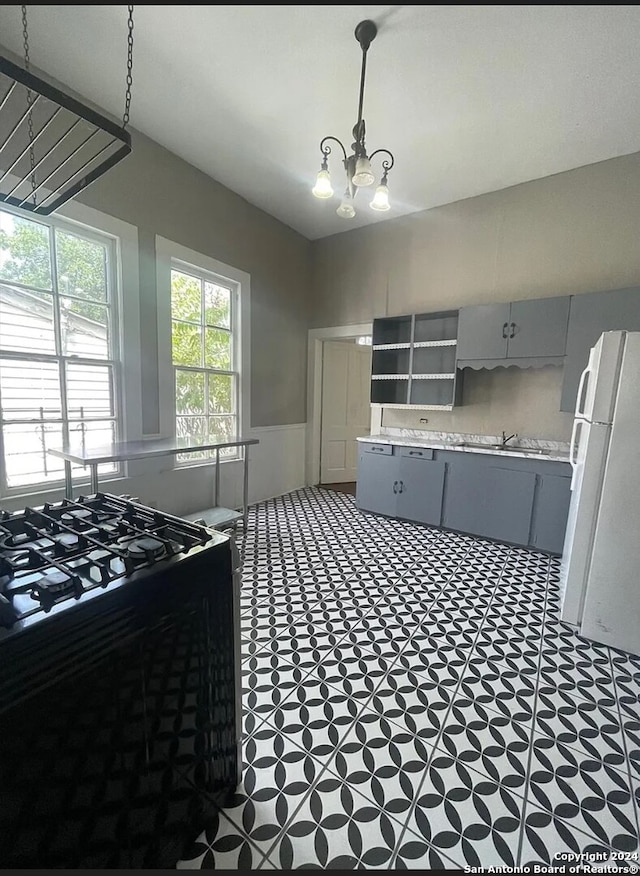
[482,331]
[590,315]
[538,327]
[414,361]
[535,329]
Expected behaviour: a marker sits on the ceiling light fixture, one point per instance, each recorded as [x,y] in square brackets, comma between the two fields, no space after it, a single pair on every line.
[358,164]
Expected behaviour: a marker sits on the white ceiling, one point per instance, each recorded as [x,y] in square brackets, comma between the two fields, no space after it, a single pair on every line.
[470,99]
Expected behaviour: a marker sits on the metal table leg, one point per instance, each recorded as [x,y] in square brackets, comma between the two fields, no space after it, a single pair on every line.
[68,480]
[245,490]
[216,489]
[94,477]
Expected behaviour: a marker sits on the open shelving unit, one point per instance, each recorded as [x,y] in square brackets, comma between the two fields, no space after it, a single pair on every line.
[414,361]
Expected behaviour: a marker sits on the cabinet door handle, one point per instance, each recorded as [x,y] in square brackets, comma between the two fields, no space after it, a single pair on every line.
[504,329]
[395,486]
[415,453]
[513,330]
[401,490]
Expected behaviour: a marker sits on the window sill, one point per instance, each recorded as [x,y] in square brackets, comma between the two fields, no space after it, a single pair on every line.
[55,489]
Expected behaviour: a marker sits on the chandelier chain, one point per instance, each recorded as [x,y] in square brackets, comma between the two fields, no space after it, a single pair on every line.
[27,66]
[127,100]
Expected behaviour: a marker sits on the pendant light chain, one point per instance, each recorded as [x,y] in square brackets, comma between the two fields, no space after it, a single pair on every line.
[27,66]
[127,100]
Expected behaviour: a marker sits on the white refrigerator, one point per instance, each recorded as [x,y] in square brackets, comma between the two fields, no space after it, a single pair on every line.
[600,571]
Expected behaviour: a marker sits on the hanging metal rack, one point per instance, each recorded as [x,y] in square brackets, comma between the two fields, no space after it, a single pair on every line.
[52,146]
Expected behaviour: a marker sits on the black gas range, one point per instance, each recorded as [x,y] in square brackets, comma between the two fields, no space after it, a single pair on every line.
[119,687]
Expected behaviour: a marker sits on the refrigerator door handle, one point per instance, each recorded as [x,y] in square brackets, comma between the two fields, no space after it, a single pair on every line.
[583,378]
[573,460]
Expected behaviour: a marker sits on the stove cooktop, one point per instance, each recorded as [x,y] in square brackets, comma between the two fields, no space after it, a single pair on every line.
[58,554]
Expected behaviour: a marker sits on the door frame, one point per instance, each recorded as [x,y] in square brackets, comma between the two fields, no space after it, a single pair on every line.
[314,389]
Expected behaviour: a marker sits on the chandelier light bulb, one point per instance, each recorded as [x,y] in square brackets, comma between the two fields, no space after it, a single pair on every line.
[346,209]
[363,175]
[380,200]
[322,188]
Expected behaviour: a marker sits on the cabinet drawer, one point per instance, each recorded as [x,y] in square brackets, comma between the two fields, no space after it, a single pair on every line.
[417,452]
[386,449]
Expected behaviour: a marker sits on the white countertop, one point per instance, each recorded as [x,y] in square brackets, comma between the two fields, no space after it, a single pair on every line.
[554,451]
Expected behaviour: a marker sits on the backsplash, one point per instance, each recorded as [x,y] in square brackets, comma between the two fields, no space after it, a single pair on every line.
[525,401]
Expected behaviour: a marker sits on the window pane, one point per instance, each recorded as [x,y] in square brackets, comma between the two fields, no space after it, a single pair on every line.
[84,329]
[24,251]
[30,390]
[89,391]
[82,267]
[26,320]
[220,394]
[186,297]
[190,392]
[193,428]
[26,459]
[222,428]
[186,343]
[217,305]
[91,436]
[217,349]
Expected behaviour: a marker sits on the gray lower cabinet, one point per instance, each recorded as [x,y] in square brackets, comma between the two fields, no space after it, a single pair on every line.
[378,476]
[405,482]
[511,499]
[491,501]
[550,512]
[421,487]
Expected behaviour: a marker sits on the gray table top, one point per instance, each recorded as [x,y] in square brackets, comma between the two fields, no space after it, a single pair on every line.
[123,450]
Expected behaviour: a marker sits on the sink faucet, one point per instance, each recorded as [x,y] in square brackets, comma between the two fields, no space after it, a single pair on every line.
[506,439]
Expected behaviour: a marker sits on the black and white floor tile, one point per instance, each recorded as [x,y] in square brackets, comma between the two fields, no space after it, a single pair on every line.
[412,701]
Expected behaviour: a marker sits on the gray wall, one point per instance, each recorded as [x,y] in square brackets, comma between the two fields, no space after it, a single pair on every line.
[161,194]
[566,234]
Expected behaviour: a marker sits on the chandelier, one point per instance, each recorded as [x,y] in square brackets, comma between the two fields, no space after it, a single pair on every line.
[358,164]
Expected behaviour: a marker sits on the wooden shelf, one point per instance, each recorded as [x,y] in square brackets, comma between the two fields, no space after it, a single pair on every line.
[389,376]
[414,361]
[449,343]
[391,347]
[402,407]
[437,376]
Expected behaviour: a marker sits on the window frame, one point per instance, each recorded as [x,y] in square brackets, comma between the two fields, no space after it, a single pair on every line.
[204,275]
[165,251]
[113,361]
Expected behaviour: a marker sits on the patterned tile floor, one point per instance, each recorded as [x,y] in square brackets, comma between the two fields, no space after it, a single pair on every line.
[412,701]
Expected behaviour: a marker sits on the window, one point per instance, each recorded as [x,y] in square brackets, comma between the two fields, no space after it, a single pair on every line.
[204,354]
[58,347]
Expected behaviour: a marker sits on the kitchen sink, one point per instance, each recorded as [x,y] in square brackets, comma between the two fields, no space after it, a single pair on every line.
[507,448]
[485,446]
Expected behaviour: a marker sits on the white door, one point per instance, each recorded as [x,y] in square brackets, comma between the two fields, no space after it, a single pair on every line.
[346,413]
